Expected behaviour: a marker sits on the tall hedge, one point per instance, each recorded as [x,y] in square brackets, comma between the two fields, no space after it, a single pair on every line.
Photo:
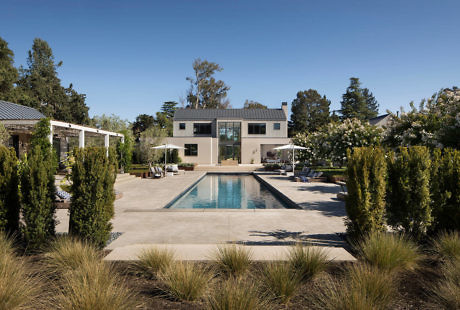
[93,176]
[366,184]
[9,194]
[445,189]
[38,193]
[125,151]
[408,195]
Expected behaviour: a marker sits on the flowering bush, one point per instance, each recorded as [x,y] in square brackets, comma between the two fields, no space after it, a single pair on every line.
[435,124]
[331,142]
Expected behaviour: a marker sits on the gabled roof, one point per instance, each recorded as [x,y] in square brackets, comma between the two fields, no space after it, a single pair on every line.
[377,119]
[230,114]
[13,111]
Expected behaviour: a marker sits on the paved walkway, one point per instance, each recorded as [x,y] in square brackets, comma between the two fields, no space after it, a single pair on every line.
[140,216]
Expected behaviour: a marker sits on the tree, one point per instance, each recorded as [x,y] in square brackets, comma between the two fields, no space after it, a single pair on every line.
[165,117]
[141,124]
[250,104]
[408,194]
[150,137]
[358,102]
[4,135]
[366,184]
[8,73]
[41,88]
[9,190]
[205,91]
[310,111]
[91,208]
[110,123]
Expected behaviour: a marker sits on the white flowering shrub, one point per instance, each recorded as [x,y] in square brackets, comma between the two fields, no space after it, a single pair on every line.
[331,142]
[436,123]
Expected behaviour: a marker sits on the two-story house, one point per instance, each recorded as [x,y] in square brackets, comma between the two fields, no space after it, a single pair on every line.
[229,136]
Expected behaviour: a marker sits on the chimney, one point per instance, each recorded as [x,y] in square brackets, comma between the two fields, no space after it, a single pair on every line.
[284,106]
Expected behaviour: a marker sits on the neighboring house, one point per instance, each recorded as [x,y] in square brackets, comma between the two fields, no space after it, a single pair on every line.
[380,121]
[20,120]
[230,136]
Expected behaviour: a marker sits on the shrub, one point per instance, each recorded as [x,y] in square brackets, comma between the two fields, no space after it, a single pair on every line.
[9,193]
[280,281]
[155,260]
[68,253]
[388,251]
[307,262]
[94,287]
[445,189]
[362,287]
[236,294]
[91,207]
[233,259]
[18,290]
[447,245]
[447,291]
[366,184]
[125,150]
[408,195]
[38,193]
[185,281]
[4,135]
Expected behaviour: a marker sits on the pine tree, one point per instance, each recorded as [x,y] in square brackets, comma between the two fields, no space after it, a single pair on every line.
[8,73]
[358,102]
[310,111]
[9,191]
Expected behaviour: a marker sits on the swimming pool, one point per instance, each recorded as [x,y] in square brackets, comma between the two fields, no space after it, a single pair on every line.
[228,191]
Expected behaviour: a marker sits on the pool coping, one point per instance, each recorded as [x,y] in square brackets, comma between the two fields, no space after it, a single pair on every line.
[291,204]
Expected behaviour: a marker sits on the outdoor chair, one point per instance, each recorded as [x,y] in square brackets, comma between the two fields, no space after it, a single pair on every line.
[156,172]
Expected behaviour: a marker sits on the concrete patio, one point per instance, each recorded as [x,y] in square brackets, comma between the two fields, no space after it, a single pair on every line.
[193,234]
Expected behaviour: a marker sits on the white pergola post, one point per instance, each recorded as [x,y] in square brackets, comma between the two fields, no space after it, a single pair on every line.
[51,134]
[106,143]
[81,139]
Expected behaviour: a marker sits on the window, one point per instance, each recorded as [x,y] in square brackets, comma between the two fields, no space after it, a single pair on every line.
[202,128]
[276,126]
[191,149]
[182,126]
[256,129]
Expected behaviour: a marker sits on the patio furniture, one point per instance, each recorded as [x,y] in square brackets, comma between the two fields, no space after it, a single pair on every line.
[156,172]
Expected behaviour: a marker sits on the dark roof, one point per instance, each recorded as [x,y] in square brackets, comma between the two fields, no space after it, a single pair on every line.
[377,119]
[245,114]
[13,111]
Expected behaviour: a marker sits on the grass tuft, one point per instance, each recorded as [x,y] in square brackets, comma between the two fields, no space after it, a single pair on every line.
[307,262]
[233,259]
[236,294]
[185,281]
[155,260]
[447,291]
[280,280]
[18,290]
[94,287]
[389,252]
[447,245]
[363,287]
[68,253]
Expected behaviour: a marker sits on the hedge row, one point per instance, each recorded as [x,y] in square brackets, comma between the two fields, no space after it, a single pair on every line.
[410,189]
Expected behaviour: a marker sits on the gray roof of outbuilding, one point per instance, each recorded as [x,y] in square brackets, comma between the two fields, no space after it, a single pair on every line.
[377,119]
[13,111]
[245,114]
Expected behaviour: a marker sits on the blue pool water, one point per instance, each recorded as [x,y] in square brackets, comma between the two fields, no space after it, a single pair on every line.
[224,191]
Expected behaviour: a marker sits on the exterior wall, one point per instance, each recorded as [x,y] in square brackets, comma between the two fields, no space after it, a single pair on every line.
[269,133]
[207,149]
[251,148]
[188,131]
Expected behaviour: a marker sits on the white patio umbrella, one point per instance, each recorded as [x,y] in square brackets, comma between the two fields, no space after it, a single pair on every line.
[167,147]
[293,148]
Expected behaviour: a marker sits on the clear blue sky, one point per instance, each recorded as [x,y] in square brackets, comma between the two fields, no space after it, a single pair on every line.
[130,56]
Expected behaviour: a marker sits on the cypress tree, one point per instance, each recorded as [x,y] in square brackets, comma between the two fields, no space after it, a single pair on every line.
[366,185]
[408,194]
[9,194]
[445,189]
[91,209]
[38,193]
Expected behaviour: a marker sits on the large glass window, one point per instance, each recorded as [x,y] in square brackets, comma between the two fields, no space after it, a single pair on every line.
[202,128]
[256,128]
[229,141]
[191,149]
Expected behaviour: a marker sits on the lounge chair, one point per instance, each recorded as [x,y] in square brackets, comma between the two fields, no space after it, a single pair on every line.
[156,172]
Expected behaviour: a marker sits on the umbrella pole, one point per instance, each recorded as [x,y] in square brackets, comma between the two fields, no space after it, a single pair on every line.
[165,162]
[293,161]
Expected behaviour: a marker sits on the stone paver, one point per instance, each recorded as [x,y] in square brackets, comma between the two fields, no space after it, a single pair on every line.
[140,216]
